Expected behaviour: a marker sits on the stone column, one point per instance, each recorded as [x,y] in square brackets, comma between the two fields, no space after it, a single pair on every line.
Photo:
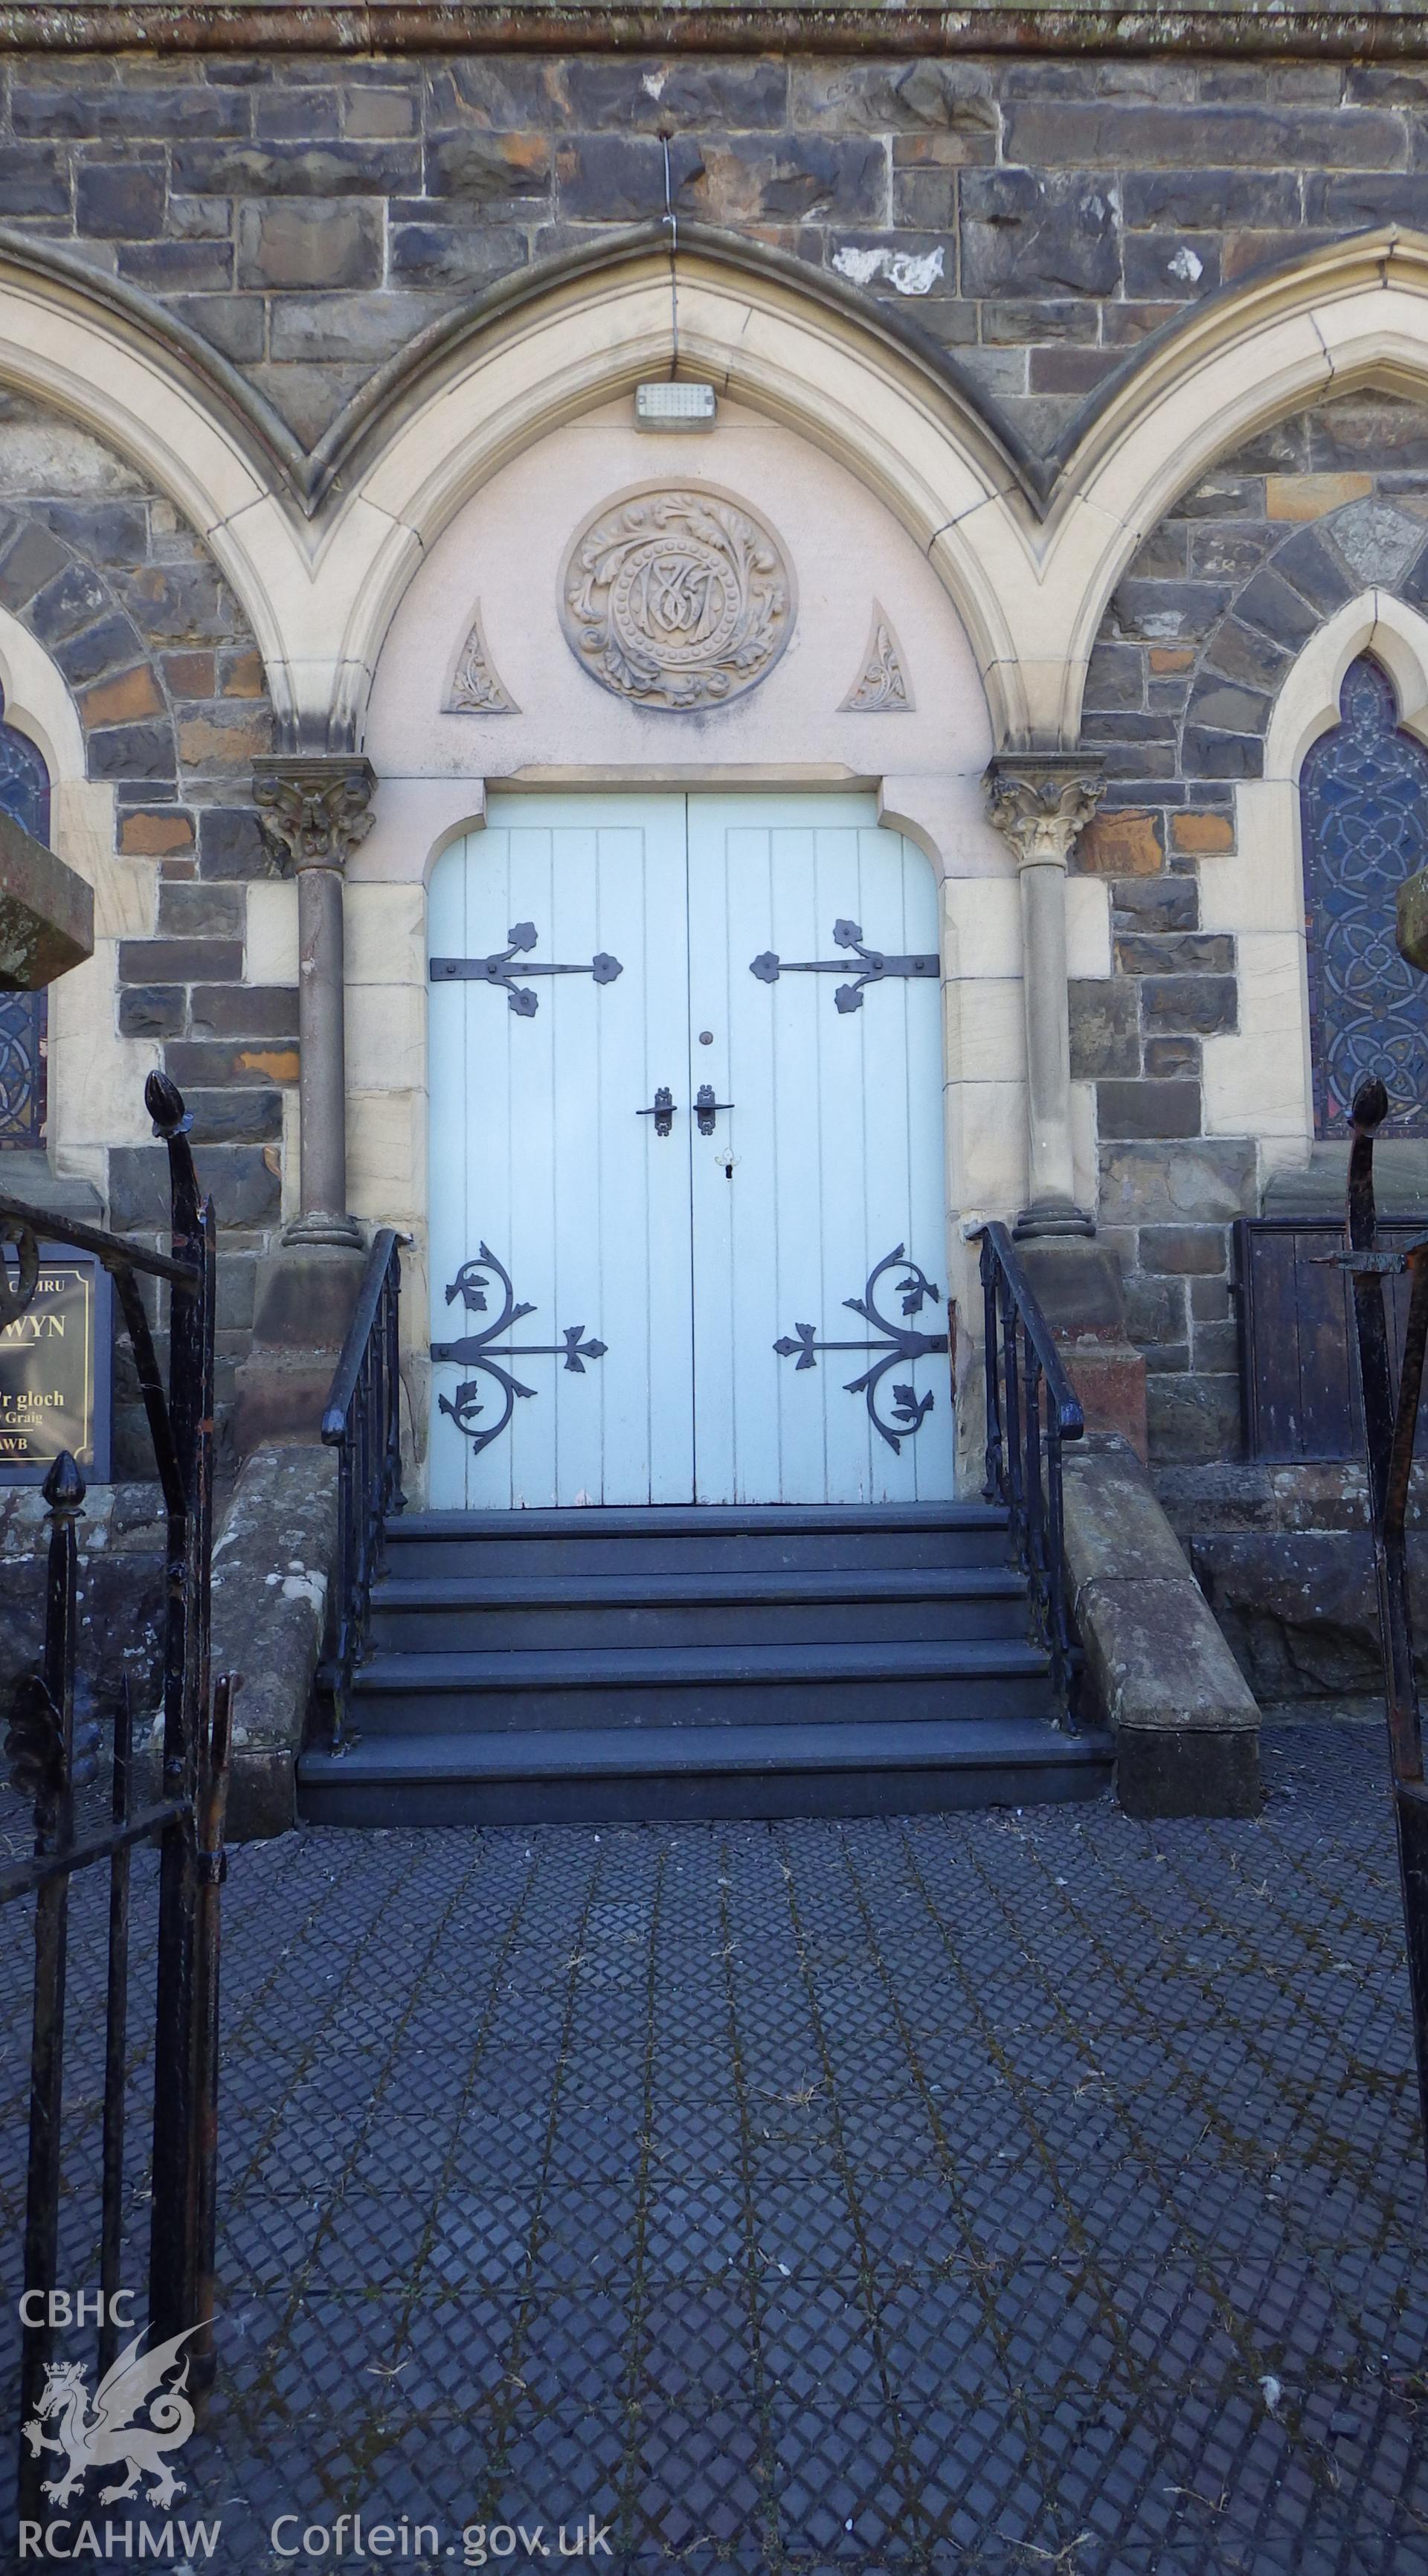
[314,810]
[1040,801]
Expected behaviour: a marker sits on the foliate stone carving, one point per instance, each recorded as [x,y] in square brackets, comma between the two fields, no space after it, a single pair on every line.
[314,808]
[677,599]
[881,687]
[476,689]
[1041,801]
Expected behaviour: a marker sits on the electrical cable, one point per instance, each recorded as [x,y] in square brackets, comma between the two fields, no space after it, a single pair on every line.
[672,219]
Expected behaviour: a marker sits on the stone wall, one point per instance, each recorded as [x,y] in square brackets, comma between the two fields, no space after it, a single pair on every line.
[1036,219]
[170,692]
[1197,640]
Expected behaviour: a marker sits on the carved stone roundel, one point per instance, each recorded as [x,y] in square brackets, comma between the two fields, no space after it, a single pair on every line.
[677,599]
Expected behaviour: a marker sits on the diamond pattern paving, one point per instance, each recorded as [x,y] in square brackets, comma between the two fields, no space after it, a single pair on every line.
[1006,2193]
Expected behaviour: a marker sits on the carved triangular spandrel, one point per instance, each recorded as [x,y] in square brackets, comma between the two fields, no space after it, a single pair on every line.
[476,686]
[882,687]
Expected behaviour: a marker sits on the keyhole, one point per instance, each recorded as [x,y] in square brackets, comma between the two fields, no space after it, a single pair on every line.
[728,1171]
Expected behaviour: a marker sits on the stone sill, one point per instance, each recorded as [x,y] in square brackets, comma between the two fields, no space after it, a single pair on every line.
[1328,33]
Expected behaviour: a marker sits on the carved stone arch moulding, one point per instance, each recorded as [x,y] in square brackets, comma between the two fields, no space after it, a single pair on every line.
[677,597]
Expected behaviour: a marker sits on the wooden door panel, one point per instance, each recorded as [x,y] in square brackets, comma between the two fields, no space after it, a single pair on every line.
[835,1144]
[538,1152]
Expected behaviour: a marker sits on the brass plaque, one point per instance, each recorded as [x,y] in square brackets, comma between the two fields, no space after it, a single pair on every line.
[54,1372]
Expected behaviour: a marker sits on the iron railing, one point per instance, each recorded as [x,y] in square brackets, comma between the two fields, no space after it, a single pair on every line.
[51,1756]
[1024,1443]
[362,1421]
[1390,1428]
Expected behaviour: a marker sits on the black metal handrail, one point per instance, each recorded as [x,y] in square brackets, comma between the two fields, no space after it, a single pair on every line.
[51,1755]
[1024,1442]
[362,1422]
[1390,1417]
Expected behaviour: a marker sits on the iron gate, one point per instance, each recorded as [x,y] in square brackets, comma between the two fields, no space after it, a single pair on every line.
[52,1757]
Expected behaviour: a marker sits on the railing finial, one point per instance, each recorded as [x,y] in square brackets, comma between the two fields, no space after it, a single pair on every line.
[164,1103]
[64,1486]
[1370,1103]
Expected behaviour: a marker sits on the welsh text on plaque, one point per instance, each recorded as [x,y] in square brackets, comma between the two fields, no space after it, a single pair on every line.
[54,1372]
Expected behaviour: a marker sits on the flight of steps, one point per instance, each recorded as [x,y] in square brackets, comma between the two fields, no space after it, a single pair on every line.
[602,1665]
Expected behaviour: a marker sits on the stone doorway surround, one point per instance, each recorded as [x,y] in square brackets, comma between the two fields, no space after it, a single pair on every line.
[502,578]
[322,553]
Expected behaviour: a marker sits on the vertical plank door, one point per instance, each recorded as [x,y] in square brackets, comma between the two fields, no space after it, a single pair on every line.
[829,1161]
[538,1152]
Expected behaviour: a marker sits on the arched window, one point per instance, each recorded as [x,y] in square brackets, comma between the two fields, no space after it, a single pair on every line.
[25,793]
[1364,803]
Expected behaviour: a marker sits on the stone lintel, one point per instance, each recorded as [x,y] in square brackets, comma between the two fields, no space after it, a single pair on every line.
[46,912]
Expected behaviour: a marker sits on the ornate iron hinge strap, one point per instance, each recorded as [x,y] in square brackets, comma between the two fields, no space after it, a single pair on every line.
[910,1410]
[475,1351]
[876,966]
[501,969]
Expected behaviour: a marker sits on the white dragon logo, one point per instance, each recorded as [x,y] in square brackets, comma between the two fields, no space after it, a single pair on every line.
[110,2434]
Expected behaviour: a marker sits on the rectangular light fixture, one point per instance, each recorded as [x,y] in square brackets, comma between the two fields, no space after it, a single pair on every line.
[675,406]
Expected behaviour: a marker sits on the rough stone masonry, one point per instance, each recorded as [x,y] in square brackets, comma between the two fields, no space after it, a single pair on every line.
[1033,217]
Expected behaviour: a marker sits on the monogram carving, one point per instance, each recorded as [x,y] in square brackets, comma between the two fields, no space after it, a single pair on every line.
[677,599]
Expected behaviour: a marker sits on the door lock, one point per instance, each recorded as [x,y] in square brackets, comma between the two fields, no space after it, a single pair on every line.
[663,1111]
[706,1108]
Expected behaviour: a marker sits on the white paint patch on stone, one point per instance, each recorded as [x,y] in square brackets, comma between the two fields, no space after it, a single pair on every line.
[40,452]
[907,273]
[311,1588]
[1186,265]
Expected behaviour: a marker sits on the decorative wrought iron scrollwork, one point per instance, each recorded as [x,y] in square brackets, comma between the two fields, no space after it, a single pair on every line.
[16,1297]
[475,1350]
[501,969]
[877,967]
[899,1346]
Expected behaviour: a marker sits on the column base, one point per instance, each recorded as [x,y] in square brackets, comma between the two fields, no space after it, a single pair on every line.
[306,1292]
[318,1227]
[1054,1217]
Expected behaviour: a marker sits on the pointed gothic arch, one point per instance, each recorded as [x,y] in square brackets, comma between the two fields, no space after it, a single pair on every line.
[319,571]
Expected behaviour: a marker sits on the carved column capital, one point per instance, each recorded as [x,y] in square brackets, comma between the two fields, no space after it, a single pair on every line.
[1040,801]
[314,807]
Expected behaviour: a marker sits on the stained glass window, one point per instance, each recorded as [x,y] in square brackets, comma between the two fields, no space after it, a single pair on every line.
[1364,803]
[25,793]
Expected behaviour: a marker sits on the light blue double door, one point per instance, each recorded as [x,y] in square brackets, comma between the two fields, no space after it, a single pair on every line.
[687,1211]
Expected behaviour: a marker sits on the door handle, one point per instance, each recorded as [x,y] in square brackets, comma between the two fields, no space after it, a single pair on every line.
[706,1108]
[662,1111]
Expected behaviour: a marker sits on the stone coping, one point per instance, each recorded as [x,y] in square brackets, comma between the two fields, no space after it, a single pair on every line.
[1331,32]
